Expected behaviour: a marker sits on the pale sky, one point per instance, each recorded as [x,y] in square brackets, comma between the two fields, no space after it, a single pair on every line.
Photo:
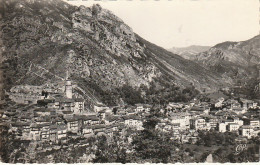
[180,23]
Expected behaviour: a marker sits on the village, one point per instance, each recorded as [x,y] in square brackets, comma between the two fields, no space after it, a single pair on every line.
[53,115]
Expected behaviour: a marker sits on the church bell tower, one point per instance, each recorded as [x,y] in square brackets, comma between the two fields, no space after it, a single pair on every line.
[68,87]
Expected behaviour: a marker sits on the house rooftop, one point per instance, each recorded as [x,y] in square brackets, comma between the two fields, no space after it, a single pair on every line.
[254,120]
[87,126]
[64,100]
[233,124]
[34,125]
[53,126]
[133,117]
[26,117]
[176,124]
[18,124]
[43,110]
[67,112]
[89,117]
[79,100]
[61,127]
[237,109]
[99,126]
[111,118]
[102,111]
[197,108]
[43,119]
[71,119]
[221,113]
[246,101]
[246,127]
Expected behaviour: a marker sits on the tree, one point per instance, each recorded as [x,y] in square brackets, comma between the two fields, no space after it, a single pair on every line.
[204,157]
[96,9]
[151,145]
[131,95]
[150,123]
[115,110]
[110,151]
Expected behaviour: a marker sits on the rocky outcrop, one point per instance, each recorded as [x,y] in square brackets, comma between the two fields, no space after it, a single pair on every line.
[107,29]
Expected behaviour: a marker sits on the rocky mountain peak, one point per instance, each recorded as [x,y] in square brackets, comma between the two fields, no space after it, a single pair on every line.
[106,28]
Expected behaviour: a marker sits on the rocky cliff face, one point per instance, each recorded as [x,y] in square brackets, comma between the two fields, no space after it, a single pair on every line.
[42,39]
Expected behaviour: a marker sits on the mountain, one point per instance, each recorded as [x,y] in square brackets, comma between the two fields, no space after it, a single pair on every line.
[190,51]
[237,60]
[42,39]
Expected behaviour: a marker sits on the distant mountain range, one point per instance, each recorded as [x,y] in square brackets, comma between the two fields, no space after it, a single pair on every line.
[190,51]
[238,61]
[244,53]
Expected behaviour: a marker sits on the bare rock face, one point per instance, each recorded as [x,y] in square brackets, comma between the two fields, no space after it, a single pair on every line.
[77,65]
[116,39]
[82,19]
[107,29]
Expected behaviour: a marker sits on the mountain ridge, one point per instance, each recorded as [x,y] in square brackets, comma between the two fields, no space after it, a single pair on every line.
[190,51]
[236,60]
[44,38]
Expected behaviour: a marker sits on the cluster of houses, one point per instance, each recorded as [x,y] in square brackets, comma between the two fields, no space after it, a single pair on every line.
[40,123]
[50,114]
[224,115]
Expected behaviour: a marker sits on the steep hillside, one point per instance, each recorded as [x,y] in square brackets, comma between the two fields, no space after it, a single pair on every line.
[238,60]
[42,39]
[46,38]
[190,51]
[183,71]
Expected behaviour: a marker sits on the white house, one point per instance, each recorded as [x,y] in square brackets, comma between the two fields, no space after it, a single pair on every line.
[87,130]
[239,122]
[182,118]
[79,106]
[200,124]
[219,103]
[100,107]
[254,123]
[61,131]
[233,127]
[139,108]
[222,127]
[72,125]
[35,132]
[247,131]
[133,121]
